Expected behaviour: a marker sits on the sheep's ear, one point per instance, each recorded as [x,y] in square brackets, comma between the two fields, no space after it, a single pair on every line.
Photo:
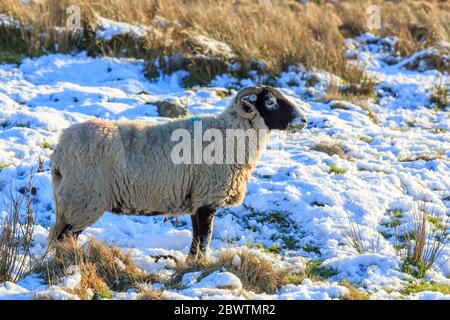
[245,100]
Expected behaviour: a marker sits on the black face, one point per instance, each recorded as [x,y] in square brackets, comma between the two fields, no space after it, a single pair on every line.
[276,111]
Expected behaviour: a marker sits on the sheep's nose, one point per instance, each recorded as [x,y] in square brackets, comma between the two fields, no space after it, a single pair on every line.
[297,125]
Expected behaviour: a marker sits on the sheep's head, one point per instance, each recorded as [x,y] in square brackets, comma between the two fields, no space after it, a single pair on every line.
[276,111]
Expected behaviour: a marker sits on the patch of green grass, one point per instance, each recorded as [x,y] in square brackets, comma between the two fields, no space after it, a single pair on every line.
[395,223]
[436,223]
[315,270]
[10,57]
[397,214]
[366,139]
[102,294]
[278,218]
[423,285]
[402,238]
[336,170]
[317,204]
[274,248]
[311,248]
[22,125]
[46,145]
[423,244]
[290,242]
[256,245]
[386,235]
[280,222]
[222,94]
[4,165]
[396,219]
[415,268]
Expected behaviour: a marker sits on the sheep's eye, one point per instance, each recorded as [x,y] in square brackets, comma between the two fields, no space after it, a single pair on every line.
[251,98]
[271,103]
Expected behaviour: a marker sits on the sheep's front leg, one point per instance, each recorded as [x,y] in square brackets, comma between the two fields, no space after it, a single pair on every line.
[202,226]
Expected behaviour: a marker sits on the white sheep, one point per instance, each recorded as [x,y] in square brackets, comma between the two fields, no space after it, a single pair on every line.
[126,167]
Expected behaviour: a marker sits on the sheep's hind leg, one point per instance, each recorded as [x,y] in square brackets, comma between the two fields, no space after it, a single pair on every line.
[195,239]
[202,226]
[68,232]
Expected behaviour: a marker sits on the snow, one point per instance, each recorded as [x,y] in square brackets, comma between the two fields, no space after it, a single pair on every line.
[44,95]
[430,295]
[9,290]
[108,29]
[309,290]
[55,293]
[213,47]
[73,280]
[219,280]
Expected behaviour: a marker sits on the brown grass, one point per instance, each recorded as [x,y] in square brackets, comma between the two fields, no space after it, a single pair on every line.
[424,244]
[354,293]
[353,234]
[257,274]
[424,157]
[278,33]
[148,293]
[16,233]
[341,93]
[41,296]
[440,95]
[102,268]
[331,149]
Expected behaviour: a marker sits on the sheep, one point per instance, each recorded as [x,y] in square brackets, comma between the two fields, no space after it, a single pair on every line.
[126,167]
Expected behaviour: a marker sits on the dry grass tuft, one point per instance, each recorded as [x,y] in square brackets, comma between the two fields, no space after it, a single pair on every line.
[16,232]
[148,293]
[353,234]
[42,296]
[423,157]
[441,95]
[424,242]
[354,293]
[102,268]
[257,273]
[337,93]
[276,33]
[331,149]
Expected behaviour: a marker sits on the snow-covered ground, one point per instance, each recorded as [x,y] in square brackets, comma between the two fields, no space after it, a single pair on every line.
[42,96]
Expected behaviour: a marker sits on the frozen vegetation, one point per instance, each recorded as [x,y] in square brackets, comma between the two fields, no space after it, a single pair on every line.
[344,172]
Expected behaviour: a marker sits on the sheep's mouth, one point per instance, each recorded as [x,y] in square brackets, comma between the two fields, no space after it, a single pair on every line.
[295,128]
